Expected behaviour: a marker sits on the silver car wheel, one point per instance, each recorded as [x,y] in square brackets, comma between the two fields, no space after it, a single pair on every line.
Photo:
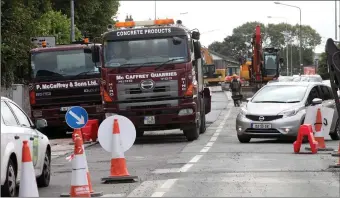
[11,181]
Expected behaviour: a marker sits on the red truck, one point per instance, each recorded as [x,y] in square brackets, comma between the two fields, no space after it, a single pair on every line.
[152,74]
[61,77]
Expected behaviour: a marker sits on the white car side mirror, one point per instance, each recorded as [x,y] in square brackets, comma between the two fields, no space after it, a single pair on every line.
[316,101]
[248,99]
[41,123]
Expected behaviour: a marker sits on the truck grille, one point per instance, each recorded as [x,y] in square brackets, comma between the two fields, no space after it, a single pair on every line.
[266,118]
[134,98]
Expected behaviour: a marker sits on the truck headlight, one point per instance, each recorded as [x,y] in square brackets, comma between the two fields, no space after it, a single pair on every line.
[185,112]
[37,114]
[109,114]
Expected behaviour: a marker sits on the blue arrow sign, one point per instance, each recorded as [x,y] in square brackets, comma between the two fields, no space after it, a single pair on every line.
[76,117]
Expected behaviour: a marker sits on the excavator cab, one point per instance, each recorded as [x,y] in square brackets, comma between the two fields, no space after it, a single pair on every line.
[271,63]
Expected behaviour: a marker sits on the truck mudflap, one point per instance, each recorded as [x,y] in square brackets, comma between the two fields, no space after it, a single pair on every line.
[207,100]
[248,91]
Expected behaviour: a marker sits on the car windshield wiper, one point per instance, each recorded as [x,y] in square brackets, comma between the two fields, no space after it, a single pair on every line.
[295,101]
[168,61]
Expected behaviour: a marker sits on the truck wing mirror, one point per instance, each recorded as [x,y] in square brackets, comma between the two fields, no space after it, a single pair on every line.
[195,35]
[197,50]
[95,54]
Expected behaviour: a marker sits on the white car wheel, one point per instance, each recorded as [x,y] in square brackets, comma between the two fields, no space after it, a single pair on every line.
[9,187]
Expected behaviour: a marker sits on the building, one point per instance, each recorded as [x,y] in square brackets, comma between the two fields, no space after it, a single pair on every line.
[223,62]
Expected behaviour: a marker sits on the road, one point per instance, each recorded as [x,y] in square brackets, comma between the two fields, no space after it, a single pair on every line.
[215,165]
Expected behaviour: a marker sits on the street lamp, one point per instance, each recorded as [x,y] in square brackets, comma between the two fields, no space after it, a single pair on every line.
[286,39]
[300,34]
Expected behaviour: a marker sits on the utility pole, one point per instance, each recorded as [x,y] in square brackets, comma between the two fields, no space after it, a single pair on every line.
[155,9]
[72,21]
[336,20]
[339,18]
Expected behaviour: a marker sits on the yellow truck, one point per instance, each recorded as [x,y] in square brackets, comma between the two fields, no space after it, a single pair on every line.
[212,76]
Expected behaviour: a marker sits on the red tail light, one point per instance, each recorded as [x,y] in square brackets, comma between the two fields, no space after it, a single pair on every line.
[32,97]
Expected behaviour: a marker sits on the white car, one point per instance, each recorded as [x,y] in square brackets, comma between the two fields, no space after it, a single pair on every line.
[16,127]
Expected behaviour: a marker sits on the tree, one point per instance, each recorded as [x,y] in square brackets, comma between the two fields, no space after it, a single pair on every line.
[238,44]
[323,67]
[17,26]
[91,16]
[56,24]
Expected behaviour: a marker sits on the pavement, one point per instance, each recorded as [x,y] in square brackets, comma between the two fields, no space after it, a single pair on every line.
[215,165]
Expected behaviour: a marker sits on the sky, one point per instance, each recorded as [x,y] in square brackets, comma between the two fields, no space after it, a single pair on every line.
[216,19]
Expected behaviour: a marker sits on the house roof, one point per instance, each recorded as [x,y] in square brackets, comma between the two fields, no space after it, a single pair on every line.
[220,56]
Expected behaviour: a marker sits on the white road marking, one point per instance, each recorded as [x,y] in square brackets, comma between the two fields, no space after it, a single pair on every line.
[216,134]
[218,130]
[220,127]
[158,194]
[168,183]
[143,190]
[195,159]
[185,168]
[209,144]
[114,195]
[205,149]
[213,139]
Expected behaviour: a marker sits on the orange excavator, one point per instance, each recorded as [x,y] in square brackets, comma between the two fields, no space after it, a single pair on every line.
[263,67]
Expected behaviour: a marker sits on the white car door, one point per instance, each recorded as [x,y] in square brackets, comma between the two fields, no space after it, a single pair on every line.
[14,133]
[29,133]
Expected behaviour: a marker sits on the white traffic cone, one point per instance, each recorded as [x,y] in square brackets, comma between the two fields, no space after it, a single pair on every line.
[28,184]
[79,183]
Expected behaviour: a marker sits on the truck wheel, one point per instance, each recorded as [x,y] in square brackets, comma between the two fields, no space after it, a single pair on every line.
[203,127]
[336,134]
[243,138]
[139,133]
[192,133]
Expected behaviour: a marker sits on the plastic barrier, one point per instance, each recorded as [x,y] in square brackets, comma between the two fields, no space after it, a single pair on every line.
[305,130]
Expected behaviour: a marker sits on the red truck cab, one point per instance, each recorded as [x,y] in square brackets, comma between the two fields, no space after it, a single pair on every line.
[152,74]
[61,77]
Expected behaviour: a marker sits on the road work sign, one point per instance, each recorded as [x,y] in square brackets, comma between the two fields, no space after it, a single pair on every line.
[127,133]
[326,118]
[76,117]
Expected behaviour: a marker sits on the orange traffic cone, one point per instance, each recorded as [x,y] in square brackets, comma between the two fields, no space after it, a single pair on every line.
[319,134]
[79,183]
[28,184]
[119,170]
[92,192]
[80,134]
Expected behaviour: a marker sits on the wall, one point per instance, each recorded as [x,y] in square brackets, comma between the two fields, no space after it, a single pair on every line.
[8,92]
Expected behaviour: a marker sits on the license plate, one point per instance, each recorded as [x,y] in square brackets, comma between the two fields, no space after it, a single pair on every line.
[261,126]
[149,120]
[65,108]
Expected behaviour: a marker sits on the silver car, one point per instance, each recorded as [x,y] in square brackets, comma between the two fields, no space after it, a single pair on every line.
[278,109]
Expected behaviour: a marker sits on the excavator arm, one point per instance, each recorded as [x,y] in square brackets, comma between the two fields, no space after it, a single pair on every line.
[333,62]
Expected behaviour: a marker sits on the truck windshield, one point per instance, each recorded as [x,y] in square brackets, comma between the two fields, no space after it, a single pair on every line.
[138,52]
[62,63]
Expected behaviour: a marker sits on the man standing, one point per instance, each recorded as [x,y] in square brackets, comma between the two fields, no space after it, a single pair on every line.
[235,87]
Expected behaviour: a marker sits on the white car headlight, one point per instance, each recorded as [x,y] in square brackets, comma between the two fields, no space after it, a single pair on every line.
[243,111]
[290,112]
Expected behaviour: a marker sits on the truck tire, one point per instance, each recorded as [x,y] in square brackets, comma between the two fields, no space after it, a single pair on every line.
[203,126]
[192,133]
[336,134]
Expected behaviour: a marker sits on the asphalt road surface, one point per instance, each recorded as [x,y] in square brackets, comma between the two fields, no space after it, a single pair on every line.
[215,165]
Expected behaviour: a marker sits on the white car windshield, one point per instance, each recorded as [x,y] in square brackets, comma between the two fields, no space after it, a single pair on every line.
[280,94]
